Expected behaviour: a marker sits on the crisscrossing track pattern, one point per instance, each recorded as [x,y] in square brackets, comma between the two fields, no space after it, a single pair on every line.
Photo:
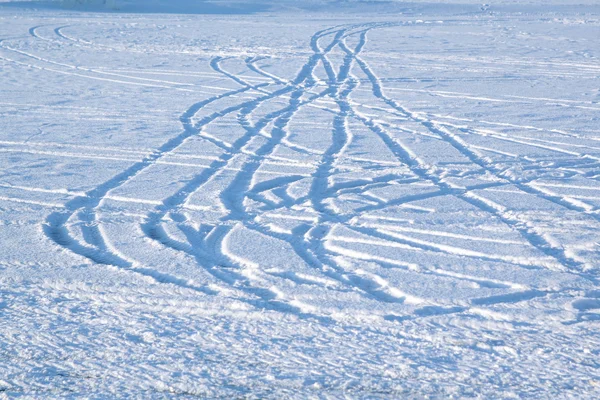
[325,197]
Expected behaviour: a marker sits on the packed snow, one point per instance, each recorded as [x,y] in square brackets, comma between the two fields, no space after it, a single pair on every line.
[300,199]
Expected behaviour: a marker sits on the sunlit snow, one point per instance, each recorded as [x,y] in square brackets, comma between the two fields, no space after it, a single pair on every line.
[299,199]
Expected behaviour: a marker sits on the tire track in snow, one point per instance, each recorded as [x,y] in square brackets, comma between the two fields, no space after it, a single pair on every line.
[230,197]
[409,159]
[207,243]
[268,147]
[306,248]
[314,237]
[84,206]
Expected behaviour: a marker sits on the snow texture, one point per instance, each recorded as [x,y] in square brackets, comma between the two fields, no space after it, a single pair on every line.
[345,199]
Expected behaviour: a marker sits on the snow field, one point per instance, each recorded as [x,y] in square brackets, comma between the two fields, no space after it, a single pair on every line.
[277,205]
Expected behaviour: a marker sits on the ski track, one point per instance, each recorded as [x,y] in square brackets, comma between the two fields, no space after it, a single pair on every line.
[77,224]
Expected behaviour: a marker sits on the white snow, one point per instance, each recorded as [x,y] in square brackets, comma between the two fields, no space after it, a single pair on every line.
[300,199]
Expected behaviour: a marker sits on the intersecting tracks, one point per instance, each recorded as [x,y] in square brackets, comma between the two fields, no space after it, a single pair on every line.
[319,85]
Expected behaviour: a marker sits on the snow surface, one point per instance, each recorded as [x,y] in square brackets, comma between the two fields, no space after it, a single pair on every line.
[300,200]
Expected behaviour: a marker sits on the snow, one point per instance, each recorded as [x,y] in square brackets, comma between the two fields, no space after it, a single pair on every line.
[300,199]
